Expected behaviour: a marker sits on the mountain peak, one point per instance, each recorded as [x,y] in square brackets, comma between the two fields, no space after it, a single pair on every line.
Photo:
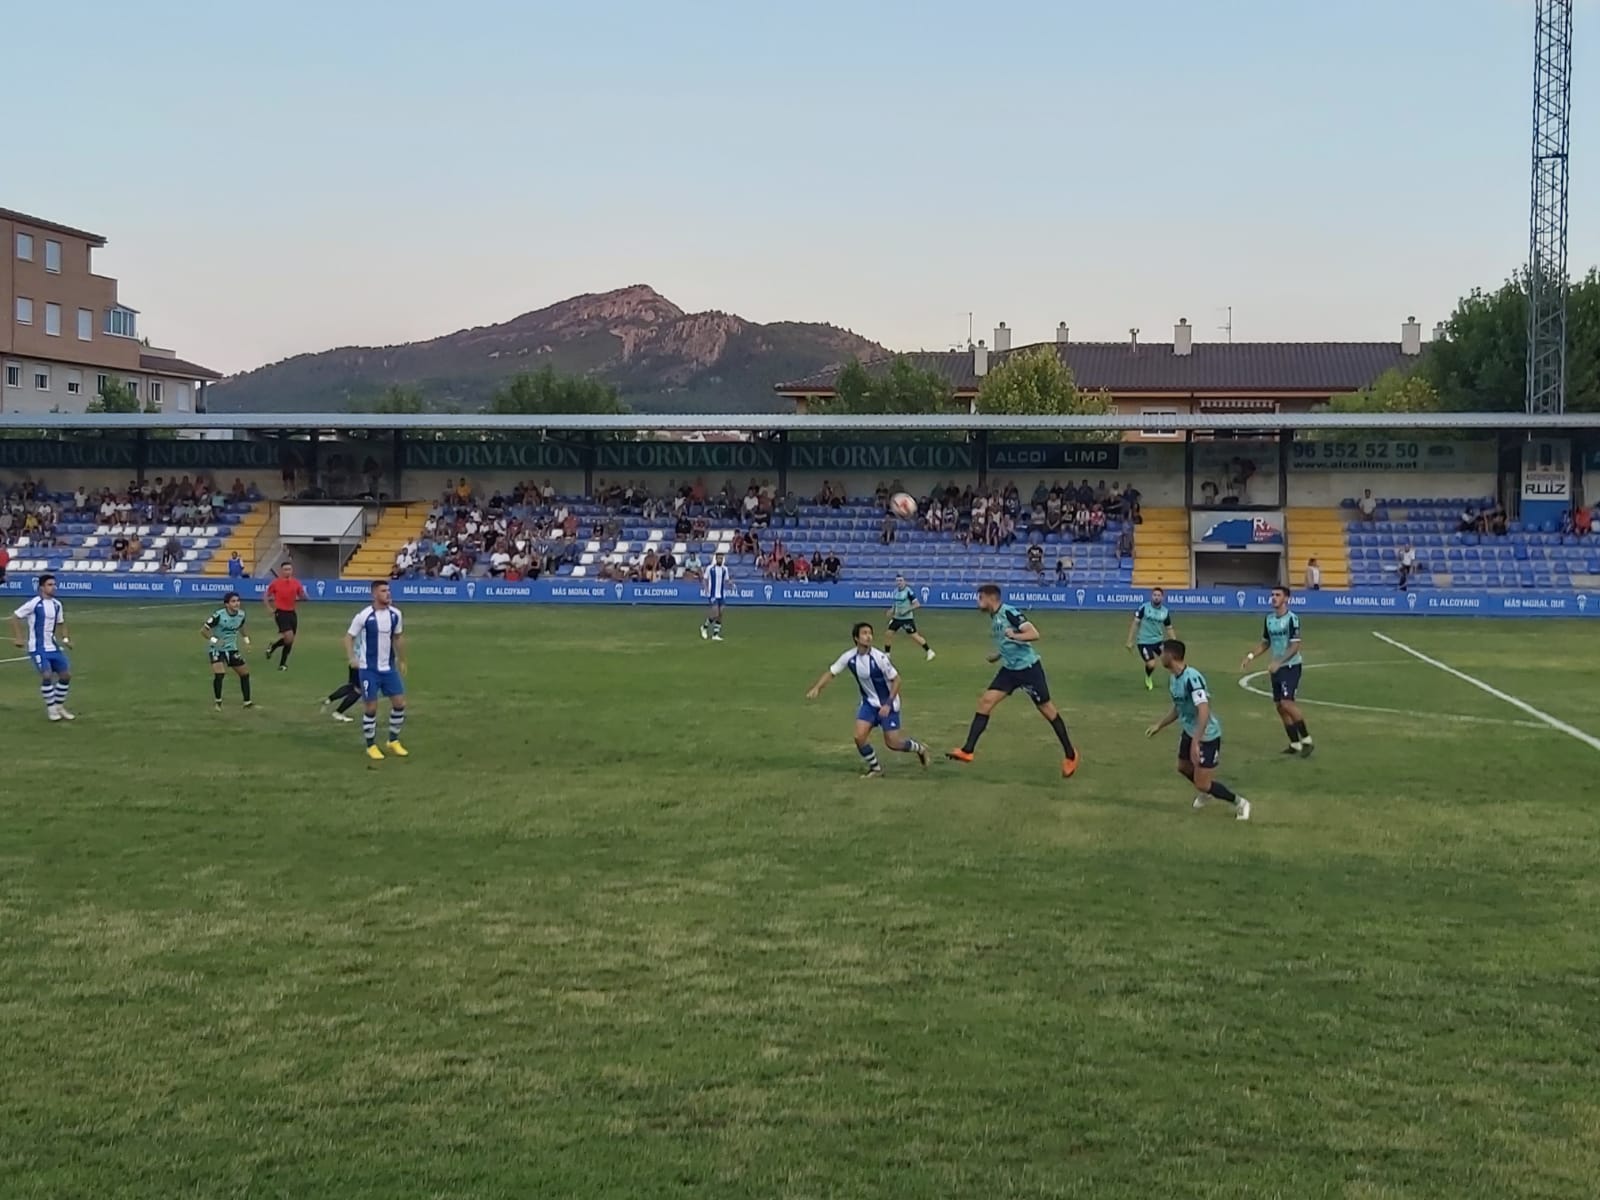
[656,354]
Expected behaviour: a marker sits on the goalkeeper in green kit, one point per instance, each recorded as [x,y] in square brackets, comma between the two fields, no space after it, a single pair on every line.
[224,631]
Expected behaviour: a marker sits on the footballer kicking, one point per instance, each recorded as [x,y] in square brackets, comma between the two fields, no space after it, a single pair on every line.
[1150,628]
[903,618]
[1020,669]
[879,684]
[1200,747]
[1280,636]
[223,631]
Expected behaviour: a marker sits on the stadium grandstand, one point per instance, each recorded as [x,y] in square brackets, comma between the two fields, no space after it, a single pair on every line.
[1488,502]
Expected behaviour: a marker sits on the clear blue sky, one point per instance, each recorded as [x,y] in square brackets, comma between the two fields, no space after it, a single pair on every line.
[289,177]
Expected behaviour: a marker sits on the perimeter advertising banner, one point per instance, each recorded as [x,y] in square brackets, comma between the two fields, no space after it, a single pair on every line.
[345,592]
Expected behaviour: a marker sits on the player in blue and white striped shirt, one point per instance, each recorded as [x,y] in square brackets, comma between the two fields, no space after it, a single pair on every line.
[879,683]
[718,584]
[375,646]
[40,628]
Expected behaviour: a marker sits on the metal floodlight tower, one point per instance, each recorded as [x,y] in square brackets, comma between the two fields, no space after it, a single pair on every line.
[1547,251]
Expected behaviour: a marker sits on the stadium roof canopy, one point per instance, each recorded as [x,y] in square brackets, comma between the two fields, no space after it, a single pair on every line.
[289,423]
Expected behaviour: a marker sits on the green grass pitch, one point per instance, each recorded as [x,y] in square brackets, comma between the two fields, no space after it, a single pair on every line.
[628,924]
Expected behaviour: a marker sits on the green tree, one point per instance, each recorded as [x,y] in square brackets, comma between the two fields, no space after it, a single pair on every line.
[543,391]
[397,399]
[902,388]
[1037,383]
[1391,392]
[115,397]
[1481,365]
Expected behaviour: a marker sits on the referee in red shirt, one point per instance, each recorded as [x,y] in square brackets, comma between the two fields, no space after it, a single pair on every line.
[283,593]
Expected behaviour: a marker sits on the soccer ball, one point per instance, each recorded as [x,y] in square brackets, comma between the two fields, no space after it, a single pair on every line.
[902,505]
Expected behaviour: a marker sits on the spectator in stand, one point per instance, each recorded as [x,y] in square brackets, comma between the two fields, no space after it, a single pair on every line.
[1313,575]
[119,548]
[831,567]
[1082,523]
[499,563]
[1469,521]
[1097,523]
[235,563]
[1035,560]
[1054,512]
[791,506]
[172,552]
[693,568]
[80,499]
[108,509]
[1408,564]
[1008,530]
[667,566]
[1367,507]
[1063,570]
[1583,521]
[1495,521]
[1124,545]
[887,532]
[802,568]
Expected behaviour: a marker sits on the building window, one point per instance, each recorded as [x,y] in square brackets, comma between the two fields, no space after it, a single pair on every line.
[155,394]
[1171,413]
[133,387]
[101,383]
[25,247]
[41,378]
[122,322]
[52,320]
[52,257]
[85,325]
[24,311]
[74,383]
[13,374]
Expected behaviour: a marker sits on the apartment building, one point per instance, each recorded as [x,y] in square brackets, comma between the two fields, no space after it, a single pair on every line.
[65,333]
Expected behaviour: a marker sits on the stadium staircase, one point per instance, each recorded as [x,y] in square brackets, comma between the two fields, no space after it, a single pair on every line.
[1317,533]
[1161,553]
[245,539]
[397,525]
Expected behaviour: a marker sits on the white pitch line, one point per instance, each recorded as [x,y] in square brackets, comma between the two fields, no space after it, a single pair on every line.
[1572,731]
[1246,680]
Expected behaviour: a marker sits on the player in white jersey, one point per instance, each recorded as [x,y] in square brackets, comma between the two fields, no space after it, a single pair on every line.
[879,683]
[375,646]
[718,584]
[40,628]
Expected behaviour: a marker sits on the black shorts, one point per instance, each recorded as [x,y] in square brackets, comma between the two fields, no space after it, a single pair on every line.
[1210,751]
[903,625]
[1150,651]
[1027,679]
[228,658]
[1286,682]
[288,622]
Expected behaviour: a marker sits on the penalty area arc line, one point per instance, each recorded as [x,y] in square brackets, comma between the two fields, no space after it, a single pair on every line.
[1246,680]
[1572,731]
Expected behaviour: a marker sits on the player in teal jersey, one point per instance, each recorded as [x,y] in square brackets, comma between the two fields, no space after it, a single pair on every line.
[1150,628]
[1280,634]
[1200,747]
[223,631]
[1020,668]
[903,617]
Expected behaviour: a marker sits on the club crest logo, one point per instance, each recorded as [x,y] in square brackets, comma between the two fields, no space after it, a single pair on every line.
[1239,596]
[925,592]
[177,586]
[767,591]
[472,590]
[1081,593]
[1411,600]
[322,586]
[1583,602]
[618,590]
